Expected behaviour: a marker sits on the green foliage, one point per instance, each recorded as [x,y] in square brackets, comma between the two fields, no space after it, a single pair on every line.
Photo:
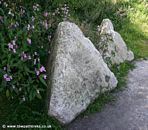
[129,18]
[26,30]
[120,72]
[99,103]
[25,114]
[135,29]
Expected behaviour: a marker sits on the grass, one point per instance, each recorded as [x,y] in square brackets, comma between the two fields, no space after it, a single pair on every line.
[3,109]
[88,14]
[136,36]
[135,29]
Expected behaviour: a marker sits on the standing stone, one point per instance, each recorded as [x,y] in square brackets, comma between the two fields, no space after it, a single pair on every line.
[111,45]
[78,73]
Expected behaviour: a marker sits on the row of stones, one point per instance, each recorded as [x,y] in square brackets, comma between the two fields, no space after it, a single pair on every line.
[78,71]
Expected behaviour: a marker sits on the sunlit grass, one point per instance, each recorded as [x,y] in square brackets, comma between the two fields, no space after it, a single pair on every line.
[135,32]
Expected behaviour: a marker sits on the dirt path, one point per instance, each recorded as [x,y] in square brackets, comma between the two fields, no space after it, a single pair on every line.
[128,112]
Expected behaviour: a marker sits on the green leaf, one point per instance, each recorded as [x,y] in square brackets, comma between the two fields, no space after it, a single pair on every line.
[39,96]
[7,93]
[31,95]
[1,89]
[43,81]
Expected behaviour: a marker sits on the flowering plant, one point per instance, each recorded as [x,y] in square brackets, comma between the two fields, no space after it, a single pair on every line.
[24,45]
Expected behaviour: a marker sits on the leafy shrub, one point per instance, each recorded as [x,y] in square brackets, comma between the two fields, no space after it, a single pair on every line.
[26,31]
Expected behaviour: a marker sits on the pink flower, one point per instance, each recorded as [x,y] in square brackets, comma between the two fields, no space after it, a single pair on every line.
[10,46]
[45,24]
[37,72]
[33,18]
[45,76]
[7,77]
[45,14]
[25,56]
[42,69]
[5,68]
[29,41]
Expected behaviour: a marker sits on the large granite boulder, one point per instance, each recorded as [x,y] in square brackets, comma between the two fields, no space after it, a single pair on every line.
[111,45]
[78,73]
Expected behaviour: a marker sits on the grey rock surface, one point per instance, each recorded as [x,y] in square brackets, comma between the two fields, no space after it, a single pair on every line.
[111,45]
[128,112]
[78,73]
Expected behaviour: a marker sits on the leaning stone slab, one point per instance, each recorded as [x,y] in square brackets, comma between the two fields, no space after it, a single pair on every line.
[111,45]
[78,73]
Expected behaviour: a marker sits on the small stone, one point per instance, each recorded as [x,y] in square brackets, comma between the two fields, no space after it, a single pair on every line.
[111,45]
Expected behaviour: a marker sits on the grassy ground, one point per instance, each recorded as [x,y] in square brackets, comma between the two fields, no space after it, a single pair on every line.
[135,32]
[129,18]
